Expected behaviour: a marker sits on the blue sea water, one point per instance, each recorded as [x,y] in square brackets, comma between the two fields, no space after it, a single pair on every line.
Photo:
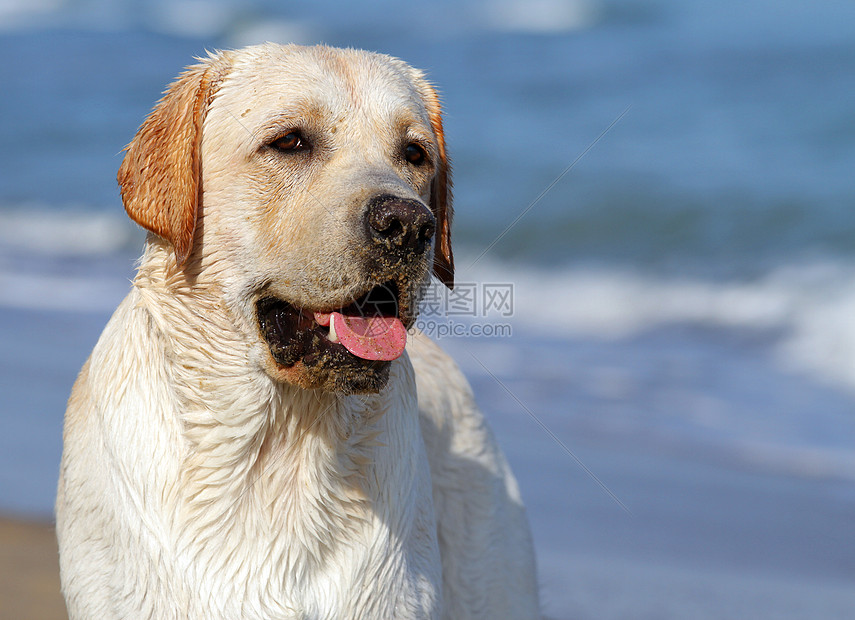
[683,294]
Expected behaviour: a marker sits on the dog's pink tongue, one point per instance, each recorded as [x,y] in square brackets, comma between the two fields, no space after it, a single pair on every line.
[371,338]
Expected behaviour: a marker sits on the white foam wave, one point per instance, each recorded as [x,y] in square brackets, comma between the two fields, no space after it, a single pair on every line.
[811,306]
[276,30]
[539,16]
[17,13]
[78,293]
[193,18]
[61,233]
[76,260]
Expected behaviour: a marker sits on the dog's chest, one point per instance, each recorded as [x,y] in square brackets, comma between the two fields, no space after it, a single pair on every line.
[377,568]
[324,543]
[370,578]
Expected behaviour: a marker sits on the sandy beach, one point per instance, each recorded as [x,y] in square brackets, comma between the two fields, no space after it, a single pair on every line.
[29,571]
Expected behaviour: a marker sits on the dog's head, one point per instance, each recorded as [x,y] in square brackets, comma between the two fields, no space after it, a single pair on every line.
[314,183]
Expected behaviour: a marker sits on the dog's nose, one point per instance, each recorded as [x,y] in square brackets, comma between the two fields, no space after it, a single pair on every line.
[400,224]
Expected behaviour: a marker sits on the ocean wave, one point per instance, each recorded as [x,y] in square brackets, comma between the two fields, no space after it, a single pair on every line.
[65,293]
[19,13]
[74,260]
[756,374]
[809,307]
[539,16]
[72,232]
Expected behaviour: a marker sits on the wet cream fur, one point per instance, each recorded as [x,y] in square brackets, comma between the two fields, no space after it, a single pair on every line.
[197,482]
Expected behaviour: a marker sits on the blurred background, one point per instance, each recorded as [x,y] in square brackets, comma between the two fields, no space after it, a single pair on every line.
[676,397]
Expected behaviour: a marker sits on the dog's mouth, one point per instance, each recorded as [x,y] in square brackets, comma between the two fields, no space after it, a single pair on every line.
[359,338]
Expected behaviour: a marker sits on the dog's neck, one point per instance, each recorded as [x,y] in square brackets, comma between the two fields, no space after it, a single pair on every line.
[260,457]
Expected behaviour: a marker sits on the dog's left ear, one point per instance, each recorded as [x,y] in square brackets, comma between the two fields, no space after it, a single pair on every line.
[161,175]
[440,195]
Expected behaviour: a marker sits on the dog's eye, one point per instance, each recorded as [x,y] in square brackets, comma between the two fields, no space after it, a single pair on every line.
[415,154]
[291,141]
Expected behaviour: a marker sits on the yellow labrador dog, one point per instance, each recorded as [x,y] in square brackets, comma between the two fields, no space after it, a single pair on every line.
[250,438]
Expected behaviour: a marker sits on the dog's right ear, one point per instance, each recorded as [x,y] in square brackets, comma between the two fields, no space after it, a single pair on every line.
[440,195]
[161,175]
